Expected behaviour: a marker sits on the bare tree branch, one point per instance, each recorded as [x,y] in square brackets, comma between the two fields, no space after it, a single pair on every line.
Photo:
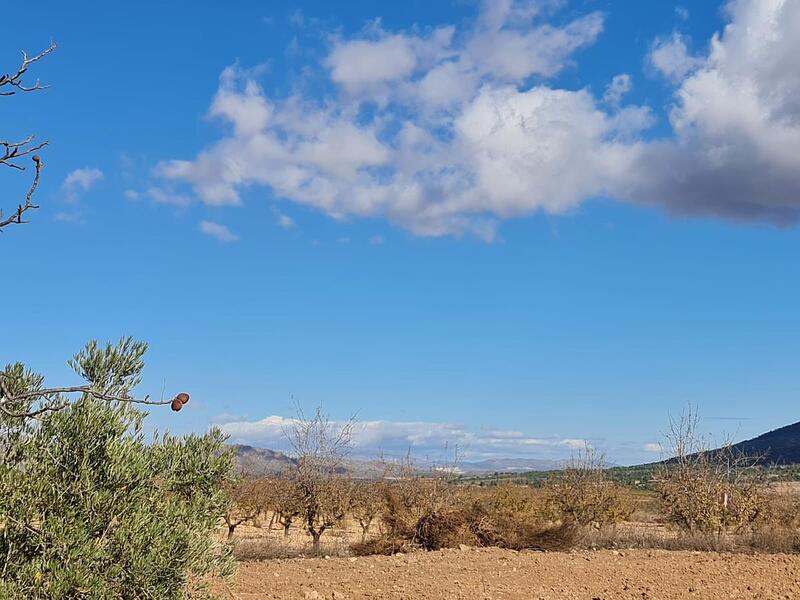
[16,216]
[14,80]
[55,401]
[11,152]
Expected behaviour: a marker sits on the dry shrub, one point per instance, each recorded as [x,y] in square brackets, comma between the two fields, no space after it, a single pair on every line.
[709,491]
[258,549]
[380,545]
[249,498]
[782,510]
[582,494]
[366,503]
[431,513]
[285,502]
[771,540]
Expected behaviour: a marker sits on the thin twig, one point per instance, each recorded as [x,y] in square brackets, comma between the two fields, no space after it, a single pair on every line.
[15,79]
[7,399]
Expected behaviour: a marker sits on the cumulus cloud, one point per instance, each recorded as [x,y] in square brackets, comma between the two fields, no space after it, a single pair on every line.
[653,447]
[448,131]
[394,438]
[79,182]
[671,58]
[216,230]
[736,123]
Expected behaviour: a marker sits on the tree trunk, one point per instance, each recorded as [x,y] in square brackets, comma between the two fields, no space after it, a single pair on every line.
[364,531]
[286,526]
[231,528]
[316,535]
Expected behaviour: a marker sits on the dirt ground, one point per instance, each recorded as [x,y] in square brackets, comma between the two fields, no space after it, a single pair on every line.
[490,573]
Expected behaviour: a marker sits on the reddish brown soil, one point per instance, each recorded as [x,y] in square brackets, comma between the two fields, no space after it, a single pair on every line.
[483,574]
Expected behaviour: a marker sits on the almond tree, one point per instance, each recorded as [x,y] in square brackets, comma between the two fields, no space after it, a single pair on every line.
[708,491]
[286,502]
[366,504]
[248,498]
[320,448]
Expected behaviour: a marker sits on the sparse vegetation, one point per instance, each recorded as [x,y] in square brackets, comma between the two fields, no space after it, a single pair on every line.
[706,491]
[582,493]
[583,505]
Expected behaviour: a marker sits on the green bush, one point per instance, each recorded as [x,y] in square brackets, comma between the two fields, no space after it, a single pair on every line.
[90,509]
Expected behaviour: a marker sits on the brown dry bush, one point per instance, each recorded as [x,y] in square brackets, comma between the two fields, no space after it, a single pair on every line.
[709,492]
[432,513]
[582,494]
[367,501]
[249,498]
[285,502]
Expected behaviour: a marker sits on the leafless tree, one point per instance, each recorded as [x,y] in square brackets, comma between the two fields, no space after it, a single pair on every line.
[285,501]
[582,494]
[13,152]
[248,499]
[704,490]
[321,447]
[366,504]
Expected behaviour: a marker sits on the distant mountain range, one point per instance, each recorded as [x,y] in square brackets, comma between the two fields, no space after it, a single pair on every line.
[260,462]
[510,465]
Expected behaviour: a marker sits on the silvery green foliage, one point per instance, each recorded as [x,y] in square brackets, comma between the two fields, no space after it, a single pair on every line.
[90,508]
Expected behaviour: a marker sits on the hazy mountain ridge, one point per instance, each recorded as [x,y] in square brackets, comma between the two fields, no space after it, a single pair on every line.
[780,446]
[261,462]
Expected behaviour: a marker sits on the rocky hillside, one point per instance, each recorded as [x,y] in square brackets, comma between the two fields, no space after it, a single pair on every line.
[779,446]
[259,462]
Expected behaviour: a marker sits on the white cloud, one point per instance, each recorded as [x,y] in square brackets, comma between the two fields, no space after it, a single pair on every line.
[670,57]
[132,195]
[423,438]
[736,123]
[463,129]
[376,240]
[363,63]
[620,85]
[162,196]
[80,181]
[284,221]
[653,447]
[221,232]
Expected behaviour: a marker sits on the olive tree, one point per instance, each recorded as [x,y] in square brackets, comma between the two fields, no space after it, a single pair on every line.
[90,507]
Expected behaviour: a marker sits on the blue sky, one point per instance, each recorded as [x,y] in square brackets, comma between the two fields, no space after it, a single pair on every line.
[510,226]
